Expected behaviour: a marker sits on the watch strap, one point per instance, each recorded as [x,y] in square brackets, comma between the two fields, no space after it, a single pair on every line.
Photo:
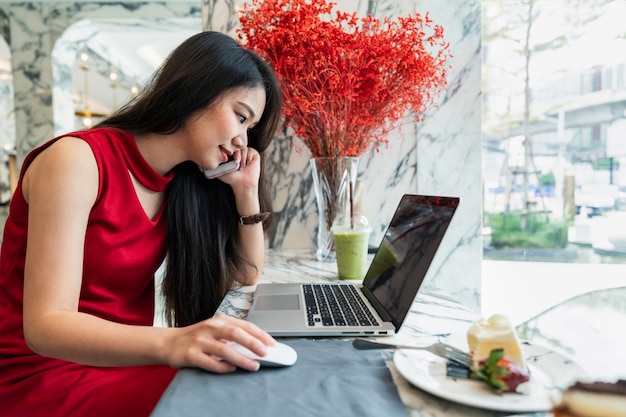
[255,218]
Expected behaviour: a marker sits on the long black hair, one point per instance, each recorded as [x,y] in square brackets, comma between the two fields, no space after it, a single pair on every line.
[204,251]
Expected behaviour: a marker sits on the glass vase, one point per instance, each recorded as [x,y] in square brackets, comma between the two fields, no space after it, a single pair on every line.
[331,181]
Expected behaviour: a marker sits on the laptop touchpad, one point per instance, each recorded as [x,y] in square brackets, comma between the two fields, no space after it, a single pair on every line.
[278,302]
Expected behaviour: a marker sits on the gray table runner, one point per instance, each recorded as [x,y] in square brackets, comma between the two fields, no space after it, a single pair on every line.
[330,378]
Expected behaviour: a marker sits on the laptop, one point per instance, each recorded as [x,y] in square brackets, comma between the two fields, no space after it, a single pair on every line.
[378,305]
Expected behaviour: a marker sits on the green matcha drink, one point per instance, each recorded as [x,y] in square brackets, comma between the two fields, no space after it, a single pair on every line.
[351,242]
[351,251]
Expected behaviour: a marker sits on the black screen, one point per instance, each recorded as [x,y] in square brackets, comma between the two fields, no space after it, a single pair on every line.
[407,250]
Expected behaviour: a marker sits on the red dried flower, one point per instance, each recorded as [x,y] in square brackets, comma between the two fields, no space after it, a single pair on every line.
[347,81]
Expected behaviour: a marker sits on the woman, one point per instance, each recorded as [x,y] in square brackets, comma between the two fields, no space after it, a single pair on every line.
[95,214]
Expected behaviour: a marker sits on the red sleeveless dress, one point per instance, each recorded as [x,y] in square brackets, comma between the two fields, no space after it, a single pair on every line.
[123,249]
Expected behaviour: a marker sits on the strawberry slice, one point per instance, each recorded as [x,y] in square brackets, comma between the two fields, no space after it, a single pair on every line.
[499,373]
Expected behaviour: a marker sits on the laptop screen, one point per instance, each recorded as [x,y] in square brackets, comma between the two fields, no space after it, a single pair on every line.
[407,250]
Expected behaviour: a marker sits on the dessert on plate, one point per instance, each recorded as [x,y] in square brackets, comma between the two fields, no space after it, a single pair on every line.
[496,332]
[497,353]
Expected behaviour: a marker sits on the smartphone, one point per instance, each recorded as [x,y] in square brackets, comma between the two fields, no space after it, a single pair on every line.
[222,169]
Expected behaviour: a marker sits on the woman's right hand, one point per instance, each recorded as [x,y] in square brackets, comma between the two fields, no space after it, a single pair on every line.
[204,345]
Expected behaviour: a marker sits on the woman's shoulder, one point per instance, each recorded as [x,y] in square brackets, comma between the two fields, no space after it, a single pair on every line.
[59,150]
[66,153]
[66,163]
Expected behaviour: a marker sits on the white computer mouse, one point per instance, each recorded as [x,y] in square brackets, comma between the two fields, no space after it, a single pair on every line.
[277,356]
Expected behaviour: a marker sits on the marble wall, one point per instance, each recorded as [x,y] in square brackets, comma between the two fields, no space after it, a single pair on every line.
[442,156]
[7,117]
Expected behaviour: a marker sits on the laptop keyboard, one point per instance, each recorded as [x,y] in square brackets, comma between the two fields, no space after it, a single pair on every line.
[336,305]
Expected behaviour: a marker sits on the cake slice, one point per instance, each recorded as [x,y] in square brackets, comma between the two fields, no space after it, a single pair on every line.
[593,399]
[497,332]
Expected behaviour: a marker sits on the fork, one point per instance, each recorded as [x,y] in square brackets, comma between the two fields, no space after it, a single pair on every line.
[440,349]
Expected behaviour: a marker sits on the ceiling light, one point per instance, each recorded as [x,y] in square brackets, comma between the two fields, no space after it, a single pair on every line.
[86,114]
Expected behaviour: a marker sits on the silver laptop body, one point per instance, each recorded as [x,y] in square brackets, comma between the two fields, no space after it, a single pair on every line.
[388,290]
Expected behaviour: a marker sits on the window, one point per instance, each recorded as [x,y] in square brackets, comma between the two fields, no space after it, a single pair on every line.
[559,191]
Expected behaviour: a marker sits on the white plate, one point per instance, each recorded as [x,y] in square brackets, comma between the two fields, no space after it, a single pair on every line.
[550,373]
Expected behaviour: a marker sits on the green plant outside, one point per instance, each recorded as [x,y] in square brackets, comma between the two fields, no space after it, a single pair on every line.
[547,179]
[506,231]
[605,164]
